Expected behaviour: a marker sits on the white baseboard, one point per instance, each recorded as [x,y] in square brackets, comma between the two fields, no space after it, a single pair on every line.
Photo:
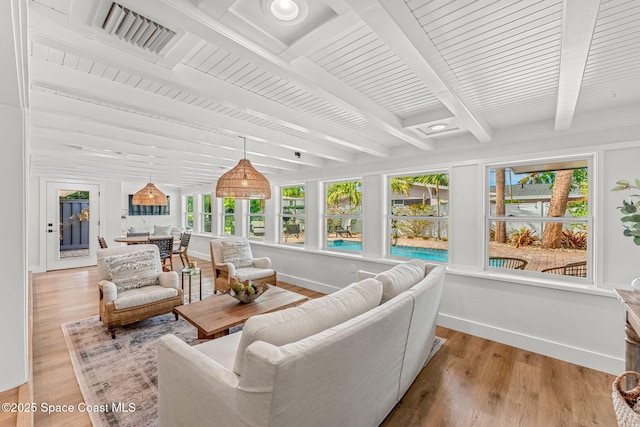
[308,284]
[579,356]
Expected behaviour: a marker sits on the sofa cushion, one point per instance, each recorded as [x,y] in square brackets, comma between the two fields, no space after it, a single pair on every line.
[237,252]
[141,296]
[162,230]
[293,324]
[401,277]
[253,273]
[132,270]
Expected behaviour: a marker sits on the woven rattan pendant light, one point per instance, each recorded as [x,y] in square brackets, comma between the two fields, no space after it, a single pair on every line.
[149,196]
[243,182]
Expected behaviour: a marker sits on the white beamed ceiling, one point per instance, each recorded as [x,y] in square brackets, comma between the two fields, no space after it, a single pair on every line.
[358,80]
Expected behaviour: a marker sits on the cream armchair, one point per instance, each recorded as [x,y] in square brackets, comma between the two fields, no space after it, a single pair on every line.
[232,257]
[133,286]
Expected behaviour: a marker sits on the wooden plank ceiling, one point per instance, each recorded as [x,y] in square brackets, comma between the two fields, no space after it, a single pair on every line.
[355,80]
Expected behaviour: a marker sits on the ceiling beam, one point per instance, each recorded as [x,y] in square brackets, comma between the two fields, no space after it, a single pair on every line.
[196,82]
[178,138]
[222,36]
[396,25]
[65,80]
[578,25]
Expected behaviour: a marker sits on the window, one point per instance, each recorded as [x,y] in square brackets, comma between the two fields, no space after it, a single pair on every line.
[256,219]
[539,218]
[418,220]
[228,216]
[188,213]
[292,215]
[206,213]
[344,215]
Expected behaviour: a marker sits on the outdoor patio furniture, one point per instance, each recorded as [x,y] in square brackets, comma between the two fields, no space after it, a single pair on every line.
[507,262]
[291,230]
[340,231]
[578,269]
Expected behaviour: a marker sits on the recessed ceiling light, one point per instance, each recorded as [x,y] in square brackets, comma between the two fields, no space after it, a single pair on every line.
[439,126]
[285,10]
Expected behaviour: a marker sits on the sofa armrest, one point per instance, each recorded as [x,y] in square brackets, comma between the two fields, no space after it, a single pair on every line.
[361,275]
[263,262]
[188,379]
[168,279]
[109,290]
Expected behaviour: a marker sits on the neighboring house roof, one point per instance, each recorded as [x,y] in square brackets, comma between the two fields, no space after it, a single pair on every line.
[530,191]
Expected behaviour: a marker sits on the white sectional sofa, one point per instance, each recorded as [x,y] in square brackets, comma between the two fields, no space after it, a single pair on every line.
[345,359]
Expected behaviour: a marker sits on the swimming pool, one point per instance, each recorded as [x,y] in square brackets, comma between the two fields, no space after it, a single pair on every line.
[431,254]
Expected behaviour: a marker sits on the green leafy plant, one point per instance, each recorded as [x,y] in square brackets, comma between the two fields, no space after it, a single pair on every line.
[629,209]
[523,237]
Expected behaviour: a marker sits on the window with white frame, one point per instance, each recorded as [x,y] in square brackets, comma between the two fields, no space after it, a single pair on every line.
[256,219]
[418,216]
[343,215]
[228,216]
[539,218]
[206,213]
[292,214]
[188,212]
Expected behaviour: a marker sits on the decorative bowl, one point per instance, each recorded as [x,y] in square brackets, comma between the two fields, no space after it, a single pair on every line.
[248,291]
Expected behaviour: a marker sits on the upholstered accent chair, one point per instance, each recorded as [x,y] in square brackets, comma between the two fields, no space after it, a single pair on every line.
[133,286]
[232,257]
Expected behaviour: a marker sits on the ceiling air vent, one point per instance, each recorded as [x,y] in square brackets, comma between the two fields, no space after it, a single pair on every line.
[136,29]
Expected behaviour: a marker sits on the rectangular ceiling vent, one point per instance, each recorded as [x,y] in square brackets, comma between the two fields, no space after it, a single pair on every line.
[136,29]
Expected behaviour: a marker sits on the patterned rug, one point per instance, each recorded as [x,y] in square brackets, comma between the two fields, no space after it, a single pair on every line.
[118,377]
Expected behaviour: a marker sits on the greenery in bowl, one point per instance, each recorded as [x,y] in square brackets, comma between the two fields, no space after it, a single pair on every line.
[630,210]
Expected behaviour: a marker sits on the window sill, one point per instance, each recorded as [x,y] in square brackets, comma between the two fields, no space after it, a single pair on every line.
[532,281]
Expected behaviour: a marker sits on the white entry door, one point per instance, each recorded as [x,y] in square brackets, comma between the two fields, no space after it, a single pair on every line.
[72,224]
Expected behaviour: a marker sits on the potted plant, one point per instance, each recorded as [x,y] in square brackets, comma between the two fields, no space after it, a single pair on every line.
[630,210]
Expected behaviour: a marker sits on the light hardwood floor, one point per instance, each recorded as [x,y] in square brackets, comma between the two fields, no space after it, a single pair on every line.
[469,382]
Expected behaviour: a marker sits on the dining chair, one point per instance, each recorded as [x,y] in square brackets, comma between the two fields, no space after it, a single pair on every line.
[182,249]
[165,245]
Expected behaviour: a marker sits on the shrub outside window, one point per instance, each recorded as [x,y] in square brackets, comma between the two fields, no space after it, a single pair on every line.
[228,216]
[539,218]
[292,215]
[188,214]
[343,216]
[206,213]
[418,220]
[256,219]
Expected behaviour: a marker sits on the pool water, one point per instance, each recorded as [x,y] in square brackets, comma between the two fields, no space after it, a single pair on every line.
[431,254]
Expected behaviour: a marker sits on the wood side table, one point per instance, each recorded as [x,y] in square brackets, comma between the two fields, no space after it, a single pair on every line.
[190,272]
[631,301]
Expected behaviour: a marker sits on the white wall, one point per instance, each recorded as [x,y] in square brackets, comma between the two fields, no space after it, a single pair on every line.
[13,173]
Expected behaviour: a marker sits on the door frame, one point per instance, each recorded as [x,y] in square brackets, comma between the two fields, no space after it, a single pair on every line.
[50,260]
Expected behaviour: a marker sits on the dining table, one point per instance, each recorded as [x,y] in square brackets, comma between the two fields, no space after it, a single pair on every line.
[132,240]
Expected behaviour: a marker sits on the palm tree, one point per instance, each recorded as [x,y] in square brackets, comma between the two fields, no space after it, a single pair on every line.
[501,227]
[401,185]
[436,180]
[552,236]
[345,191]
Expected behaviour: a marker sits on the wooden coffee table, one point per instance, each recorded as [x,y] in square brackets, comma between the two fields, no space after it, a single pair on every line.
[214,316]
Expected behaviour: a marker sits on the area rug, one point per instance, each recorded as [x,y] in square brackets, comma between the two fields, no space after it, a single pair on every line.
[118,377]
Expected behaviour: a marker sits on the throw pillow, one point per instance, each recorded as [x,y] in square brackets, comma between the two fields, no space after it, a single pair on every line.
[133,270]
[133,229]
[162,230]
[401,277]
[237,252]
[296,323]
